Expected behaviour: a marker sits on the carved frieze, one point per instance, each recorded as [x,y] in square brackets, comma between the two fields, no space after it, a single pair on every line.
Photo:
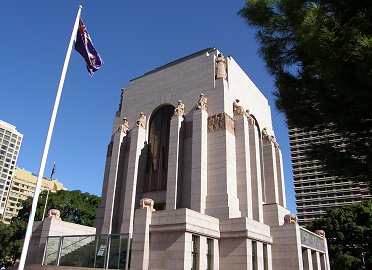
[221,121]
[310,240]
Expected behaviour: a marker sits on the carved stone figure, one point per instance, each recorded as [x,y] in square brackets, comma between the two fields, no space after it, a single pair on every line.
[276,145]
[290,219]
[54,213]
[147,203]
[124,127]
[141,122]
[320,233]
[202,103]
[265,135]
[221,70]
[180,110]
[249,117]
[238,109]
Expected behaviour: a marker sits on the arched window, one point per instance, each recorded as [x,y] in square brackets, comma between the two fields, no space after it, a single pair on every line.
[157,155]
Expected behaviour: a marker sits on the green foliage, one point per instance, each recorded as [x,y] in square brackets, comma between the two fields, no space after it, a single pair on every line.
[349,234]
[11,240]
[320,54]
[75,206]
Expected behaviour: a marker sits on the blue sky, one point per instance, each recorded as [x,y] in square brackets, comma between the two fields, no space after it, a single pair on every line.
[133,37]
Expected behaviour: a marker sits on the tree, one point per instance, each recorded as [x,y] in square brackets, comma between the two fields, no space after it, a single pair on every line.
[75,206]
[11,240]
[320,54]
[349,235]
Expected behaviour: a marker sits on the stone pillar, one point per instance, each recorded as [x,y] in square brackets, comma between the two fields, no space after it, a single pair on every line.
[216,255]
[323,262]
[316,261]
[286,248]
[270,172]
[203,250]
[260,259]
[236,254]
[110,182]
[199,161]
[187,247]
[307,259]
[174,162]
[269,258]
[138,147]
[254,147]
[222,199]
[280,174]
[140,250]
[243,163]
[170,250]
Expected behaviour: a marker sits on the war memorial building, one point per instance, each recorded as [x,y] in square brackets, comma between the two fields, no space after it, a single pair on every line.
[194,176]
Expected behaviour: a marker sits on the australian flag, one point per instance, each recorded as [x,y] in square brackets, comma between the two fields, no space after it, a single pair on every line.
[84,45]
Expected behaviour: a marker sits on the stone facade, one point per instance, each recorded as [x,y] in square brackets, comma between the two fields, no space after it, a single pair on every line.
[204,157]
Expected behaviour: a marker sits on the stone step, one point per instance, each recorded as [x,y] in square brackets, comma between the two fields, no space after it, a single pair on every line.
[50,267]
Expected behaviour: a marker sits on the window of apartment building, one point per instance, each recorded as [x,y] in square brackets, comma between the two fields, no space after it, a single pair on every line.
[254,256]
[209,254]
[195,253]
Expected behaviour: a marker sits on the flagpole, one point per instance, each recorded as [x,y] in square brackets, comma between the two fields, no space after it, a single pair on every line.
[47,196]
[46,146]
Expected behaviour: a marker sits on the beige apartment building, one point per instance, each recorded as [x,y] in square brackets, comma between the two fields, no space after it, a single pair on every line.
[315,190]
[10,143]
[22,186]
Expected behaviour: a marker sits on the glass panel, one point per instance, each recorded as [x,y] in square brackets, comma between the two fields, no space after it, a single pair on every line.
[78,251]
[51,252]
[210,254]
[266,263]
[195,252]
[101,251]
[87,251]
[118,252]
[254,255]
